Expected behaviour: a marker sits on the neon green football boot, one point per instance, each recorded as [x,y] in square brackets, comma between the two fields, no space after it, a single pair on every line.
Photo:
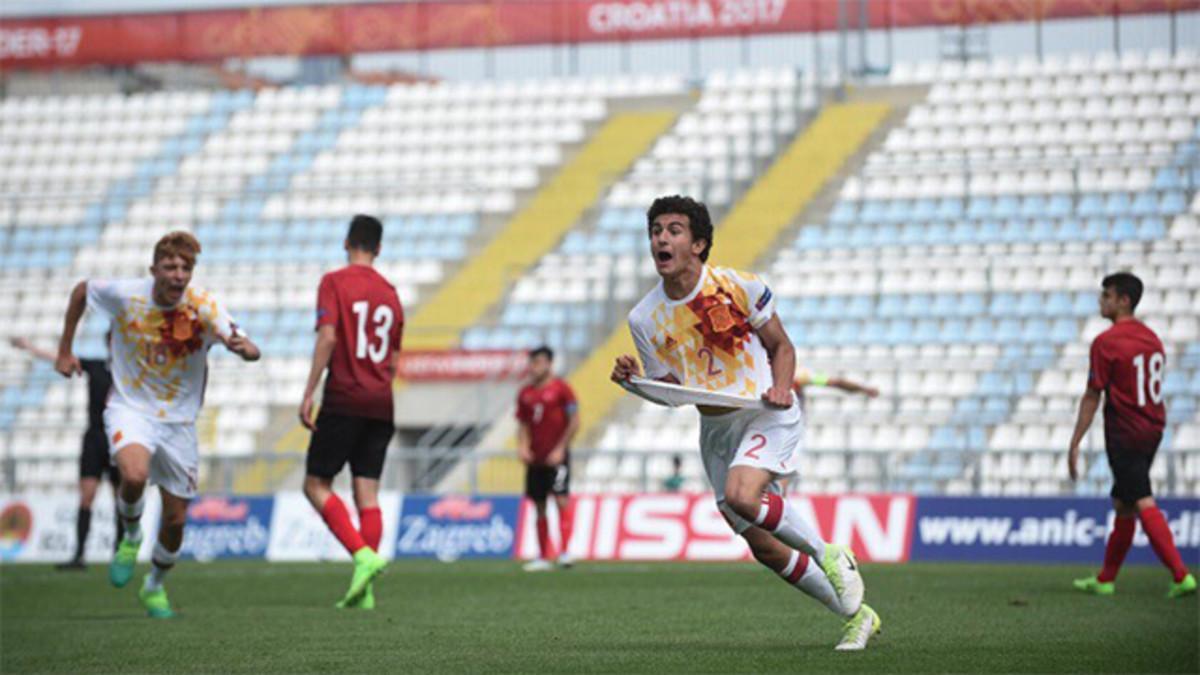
[1095,586]
[367,565]
[1183,588]
[120,570]
[365,601]
[156,603]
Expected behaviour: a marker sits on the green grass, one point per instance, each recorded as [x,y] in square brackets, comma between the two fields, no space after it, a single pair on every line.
[490,617]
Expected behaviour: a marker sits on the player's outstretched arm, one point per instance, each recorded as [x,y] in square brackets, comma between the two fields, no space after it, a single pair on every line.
[783,362]
[322,352]
[524,453]
[66,362]
[33,350]
[1088,404]
[852,387]
[243,346]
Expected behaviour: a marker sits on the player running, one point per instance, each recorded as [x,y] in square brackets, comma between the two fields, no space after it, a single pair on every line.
[715,328]
[548,421]
[359,324]
[1128,366]
[93,457]
[159,340]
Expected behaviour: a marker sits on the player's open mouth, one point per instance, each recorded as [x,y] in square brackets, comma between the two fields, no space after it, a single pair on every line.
[663,256]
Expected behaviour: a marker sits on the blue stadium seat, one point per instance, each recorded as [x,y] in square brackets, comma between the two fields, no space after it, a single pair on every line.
[890,306]
[1003,304]
[844,213]
[1117,204]
[954,331]
[1151,228]
[1144,204]
[1007,330]
[1006,207]
[979,208]
[1068,229]
[979,330]
[1029,303]
[872,211]
[1124,229]
[949,209]
[887,235]
[1059,206]
[1172,203]
[1035,330]
[1089,205]
[1032,206]
[944,304]
[899,332]
[1041,230]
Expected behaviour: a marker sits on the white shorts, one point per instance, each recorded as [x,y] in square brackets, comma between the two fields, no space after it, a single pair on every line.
[766,439]
[174,452]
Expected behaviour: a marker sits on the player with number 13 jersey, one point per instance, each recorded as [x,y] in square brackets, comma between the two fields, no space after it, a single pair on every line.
[359,324]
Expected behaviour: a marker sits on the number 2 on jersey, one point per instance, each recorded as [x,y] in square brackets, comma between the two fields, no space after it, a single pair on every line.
[382,319]
[713,368]
[760,442]
[1154,386]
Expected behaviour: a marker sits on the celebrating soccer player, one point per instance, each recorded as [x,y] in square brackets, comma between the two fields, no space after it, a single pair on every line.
[359,324]
[715,328]
[159,340]
[93,458]
[1128,367]
[548,419]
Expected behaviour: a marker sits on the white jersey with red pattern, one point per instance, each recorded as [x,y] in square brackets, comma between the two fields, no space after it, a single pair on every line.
[159,354]
[709,338]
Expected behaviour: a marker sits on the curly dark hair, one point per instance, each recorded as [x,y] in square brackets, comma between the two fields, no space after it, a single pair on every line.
[699,222]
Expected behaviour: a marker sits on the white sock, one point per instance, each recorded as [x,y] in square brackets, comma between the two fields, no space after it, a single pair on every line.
[163,560]
[777,516]
[131,514]
[812,582]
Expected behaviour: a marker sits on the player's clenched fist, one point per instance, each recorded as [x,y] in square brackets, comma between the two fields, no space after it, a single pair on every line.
[67,365]
[624,368]
[778,397]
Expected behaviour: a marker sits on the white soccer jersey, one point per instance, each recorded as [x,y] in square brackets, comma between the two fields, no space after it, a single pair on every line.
[707,339]
[159,354]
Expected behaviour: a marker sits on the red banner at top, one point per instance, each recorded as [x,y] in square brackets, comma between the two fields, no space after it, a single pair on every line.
[419,25]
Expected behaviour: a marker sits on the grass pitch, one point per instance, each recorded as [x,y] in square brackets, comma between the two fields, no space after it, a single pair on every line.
[491,617]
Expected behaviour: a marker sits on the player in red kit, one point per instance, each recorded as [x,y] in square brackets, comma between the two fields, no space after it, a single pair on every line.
[548,419]
[359,324]
[1127,367]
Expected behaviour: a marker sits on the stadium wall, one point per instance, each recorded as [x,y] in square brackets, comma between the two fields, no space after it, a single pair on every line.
[677,526]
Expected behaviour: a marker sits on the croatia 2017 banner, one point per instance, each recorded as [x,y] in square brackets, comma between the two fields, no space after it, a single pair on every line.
[428,24]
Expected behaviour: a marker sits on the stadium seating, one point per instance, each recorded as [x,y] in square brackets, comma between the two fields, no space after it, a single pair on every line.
[267,182]
[741,121]
[958,271]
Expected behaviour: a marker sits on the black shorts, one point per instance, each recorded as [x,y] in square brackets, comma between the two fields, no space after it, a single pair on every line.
[362,441]
[544,480]
[94,459]
[1130,464]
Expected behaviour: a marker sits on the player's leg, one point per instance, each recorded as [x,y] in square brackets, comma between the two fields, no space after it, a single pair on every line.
[765,451]
[1163,543]
[1119,541]
[566,517]
[134,462]
[114,480]
[798,570]
[1131,471]
[88,481]
[538,482]
[166,553]
[366,468]
[328,452]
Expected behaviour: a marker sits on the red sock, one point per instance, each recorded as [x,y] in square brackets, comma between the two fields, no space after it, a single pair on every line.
[338,519]
[1118,545]
[566,521]
[370,526]
[1163,543]
[544,543]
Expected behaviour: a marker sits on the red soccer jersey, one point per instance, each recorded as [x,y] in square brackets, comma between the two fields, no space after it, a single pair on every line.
[1128,365]
[365,312]
[546,410]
